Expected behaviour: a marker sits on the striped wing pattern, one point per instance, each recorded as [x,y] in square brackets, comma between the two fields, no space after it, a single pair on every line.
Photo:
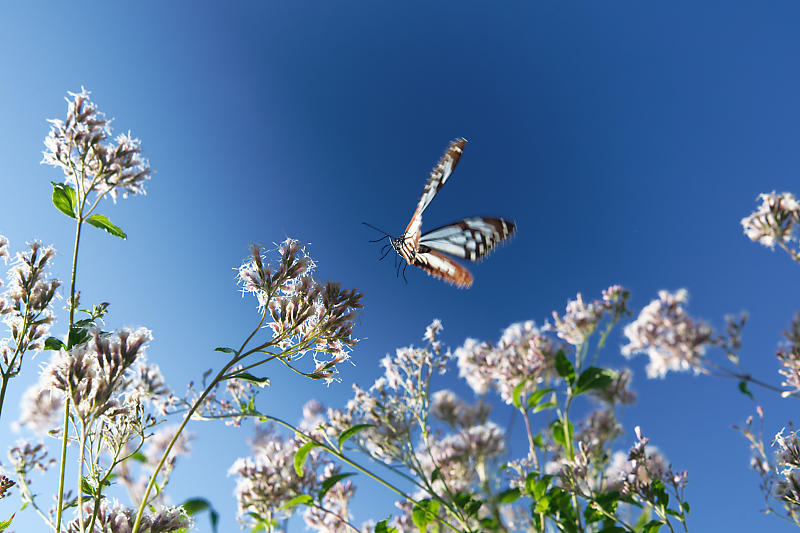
[439,175]
[471,238]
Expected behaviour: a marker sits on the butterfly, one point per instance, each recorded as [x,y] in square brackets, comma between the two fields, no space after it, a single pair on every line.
[471,238]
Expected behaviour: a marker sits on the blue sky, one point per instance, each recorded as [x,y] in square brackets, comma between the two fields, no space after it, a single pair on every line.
[626,139]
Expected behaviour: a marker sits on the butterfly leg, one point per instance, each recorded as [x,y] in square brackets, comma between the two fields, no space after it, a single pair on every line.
[404,273]
[385,250]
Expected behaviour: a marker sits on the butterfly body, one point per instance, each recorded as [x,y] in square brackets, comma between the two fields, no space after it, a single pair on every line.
[471,238]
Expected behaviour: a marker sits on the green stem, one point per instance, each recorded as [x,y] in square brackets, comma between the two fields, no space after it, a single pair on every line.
[64,436]
[172,442]
[80,476]
[3,391]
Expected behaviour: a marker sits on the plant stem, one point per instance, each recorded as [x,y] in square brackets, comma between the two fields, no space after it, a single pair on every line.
[64,436]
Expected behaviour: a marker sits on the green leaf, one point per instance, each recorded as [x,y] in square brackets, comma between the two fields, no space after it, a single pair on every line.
[4,525]
[652,526]
[543,406]
[613,529]
[516,394]
[65,199]
[489,524]
[87,487]
[250,378]
[224,349]
[595,378]
[686,507]
[383,527]
[330,482]
[102,222]
[303,499]
[301,455]
[509,496]
[52,343]
[558,432]
[195,505]
[564,367]
[536,396]
[744,390]
[138,457]
[424,513]
[349,432]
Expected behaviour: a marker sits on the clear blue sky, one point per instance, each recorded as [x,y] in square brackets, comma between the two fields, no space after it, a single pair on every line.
[627,140]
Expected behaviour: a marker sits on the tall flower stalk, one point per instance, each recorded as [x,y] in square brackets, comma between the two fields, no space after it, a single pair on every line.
[94,167]
[304,317]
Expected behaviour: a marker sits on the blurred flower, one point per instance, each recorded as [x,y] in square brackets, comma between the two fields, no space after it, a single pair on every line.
[619,391]
[334,514]
[27,457]
[774,221]
[523,354]
[668,335]
[268,480]
[461,457]
[452,410]
[116,518]
[42,409]
[79,147]
[789,356]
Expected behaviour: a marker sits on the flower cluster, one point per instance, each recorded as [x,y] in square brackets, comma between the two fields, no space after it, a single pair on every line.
[26,304]
[524,354]
[307,315]
[116,518]
[636,473]
[79,146]
[789,356]
[268,480]
[668,335]
[5,485]
[94,374]
[581,319]
[774,222]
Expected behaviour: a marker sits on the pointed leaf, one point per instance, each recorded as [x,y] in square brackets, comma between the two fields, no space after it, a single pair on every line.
[102,222]
[330,482]
[564,367]
[4,525]
[595,378]
[195,505]
[250,378]
[301,455]
[349,432]
[303,499]
[509,495]
[224,349]
[64,198]
[515,396]
[383,527]
[744,390]
[52,343]
[536,396]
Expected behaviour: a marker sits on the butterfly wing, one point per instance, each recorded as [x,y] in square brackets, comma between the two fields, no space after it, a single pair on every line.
[440,266]
[439,175]
[470,239]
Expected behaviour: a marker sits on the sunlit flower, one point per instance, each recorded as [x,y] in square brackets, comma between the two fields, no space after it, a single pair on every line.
[307,315]
[774,221]
[116,518]
[80,146]
[668,335]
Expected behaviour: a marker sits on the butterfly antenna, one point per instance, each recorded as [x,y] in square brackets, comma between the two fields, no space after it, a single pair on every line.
[386,235]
